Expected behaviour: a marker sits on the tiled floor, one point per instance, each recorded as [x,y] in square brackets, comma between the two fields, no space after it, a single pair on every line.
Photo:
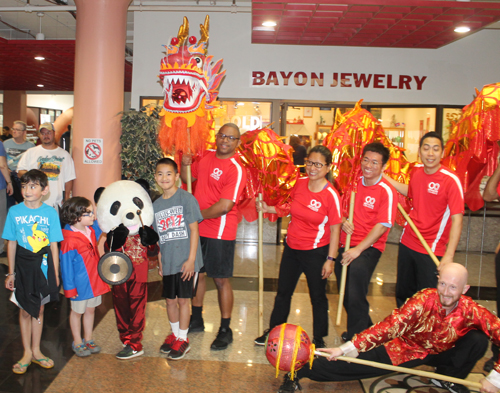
[241,368]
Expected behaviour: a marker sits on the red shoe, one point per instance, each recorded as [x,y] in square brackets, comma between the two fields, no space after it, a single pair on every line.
[179,349]
[166,347]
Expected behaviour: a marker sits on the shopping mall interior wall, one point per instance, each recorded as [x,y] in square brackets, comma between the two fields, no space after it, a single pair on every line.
[452,72]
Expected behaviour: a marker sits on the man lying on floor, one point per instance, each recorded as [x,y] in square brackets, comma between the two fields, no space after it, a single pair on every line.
[437,327]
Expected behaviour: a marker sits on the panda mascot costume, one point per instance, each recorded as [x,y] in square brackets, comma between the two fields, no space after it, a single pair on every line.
[125,214]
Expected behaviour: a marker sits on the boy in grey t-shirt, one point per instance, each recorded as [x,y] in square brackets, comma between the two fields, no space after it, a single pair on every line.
[177,214]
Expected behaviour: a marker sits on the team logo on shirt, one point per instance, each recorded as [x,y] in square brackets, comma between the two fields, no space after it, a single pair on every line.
[369,202]
[433,188]
[216,174]
[314,205]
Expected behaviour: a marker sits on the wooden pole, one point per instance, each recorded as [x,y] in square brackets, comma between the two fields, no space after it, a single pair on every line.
[344,268]
[419,235]
[260,256]
[188,174]
[390,367]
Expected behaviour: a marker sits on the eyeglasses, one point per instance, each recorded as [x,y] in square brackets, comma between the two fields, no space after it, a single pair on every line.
[316,164]
[224,136]
[88,214]
[17,129]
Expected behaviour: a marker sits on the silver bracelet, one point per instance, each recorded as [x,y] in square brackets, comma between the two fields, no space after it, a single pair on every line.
[10,274]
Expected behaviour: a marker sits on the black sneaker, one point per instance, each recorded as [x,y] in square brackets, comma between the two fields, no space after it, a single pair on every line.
[223,339]
[489,364]
[179,349]
[166,347]
[196,325]
[319,343]
[262,339]
[288,385]
[450,386]
[129,353]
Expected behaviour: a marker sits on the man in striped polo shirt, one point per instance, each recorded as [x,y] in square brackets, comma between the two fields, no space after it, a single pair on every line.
[438,207]
[221,179]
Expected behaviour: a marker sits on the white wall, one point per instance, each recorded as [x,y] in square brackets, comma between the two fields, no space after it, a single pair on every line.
[50,101]
[452,71]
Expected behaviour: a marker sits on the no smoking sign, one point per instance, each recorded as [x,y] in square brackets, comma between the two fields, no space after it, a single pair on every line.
[92,150]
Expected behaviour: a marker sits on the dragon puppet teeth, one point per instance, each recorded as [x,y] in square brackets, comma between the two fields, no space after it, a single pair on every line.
[183,91]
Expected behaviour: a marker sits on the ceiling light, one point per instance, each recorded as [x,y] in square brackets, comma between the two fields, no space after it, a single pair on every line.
[462,29]
[269,23]
[40,85]
[39,58]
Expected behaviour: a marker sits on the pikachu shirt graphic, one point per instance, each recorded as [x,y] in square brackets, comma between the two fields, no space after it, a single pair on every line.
[39,239]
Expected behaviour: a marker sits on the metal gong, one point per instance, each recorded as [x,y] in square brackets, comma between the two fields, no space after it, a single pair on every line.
[114,268]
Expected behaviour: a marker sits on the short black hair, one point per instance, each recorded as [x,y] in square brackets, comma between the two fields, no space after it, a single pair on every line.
[74,208]
[324,151]
[431,134]
[377,147]
[35,176]
[168,161]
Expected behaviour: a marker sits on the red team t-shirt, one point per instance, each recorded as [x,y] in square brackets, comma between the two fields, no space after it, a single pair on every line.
[436,198]
[219,178]
[375,204]
[312,215]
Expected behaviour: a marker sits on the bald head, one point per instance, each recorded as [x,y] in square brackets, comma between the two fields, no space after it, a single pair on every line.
[456,271]
[452,284]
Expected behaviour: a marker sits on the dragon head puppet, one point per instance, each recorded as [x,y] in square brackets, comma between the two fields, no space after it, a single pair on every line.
[190,81]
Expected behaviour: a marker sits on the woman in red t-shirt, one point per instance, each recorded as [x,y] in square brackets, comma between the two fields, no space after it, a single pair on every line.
[311,244]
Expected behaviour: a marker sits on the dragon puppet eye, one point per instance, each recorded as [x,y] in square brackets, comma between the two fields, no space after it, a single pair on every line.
[198,60]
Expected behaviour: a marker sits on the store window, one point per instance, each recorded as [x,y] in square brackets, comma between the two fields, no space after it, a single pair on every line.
[405,126]
[450,117]
[247,115]
[310,124]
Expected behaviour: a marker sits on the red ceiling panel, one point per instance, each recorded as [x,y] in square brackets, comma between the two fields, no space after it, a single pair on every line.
[409,23]
[55,72]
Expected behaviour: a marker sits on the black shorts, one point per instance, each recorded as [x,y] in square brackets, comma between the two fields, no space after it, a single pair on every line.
[218,257]
[174,287]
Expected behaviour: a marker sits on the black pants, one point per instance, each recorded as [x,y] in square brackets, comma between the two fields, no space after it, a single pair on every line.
[416,271]
[458,362]
[293,264]
[359,274]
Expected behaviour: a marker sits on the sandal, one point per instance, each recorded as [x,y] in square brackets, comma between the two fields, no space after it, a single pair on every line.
[39,362]
[21,368]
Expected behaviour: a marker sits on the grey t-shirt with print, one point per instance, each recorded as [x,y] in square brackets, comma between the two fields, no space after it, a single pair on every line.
[171,222]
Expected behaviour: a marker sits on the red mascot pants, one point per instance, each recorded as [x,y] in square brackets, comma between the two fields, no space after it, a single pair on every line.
[129,301]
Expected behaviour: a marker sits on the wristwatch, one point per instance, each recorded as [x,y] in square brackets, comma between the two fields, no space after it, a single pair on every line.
[329,258]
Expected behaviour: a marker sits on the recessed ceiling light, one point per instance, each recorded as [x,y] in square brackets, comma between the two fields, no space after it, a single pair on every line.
[39,58]
[462,29]
[40,85]
[269,23]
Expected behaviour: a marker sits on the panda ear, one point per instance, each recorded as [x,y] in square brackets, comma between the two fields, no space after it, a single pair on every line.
[97,194]
[144,184]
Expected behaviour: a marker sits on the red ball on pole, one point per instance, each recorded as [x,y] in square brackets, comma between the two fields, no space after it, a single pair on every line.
[288,348]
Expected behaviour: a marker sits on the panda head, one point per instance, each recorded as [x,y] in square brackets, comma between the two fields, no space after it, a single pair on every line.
[121,203]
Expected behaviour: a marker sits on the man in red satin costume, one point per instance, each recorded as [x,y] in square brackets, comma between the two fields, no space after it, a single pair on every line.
[438,327]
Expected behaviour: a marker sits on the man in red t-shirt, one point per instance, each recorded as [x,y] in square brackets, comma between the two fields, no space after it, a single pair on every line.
[221,179]
[374,213]
[491,193]
[438,207]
